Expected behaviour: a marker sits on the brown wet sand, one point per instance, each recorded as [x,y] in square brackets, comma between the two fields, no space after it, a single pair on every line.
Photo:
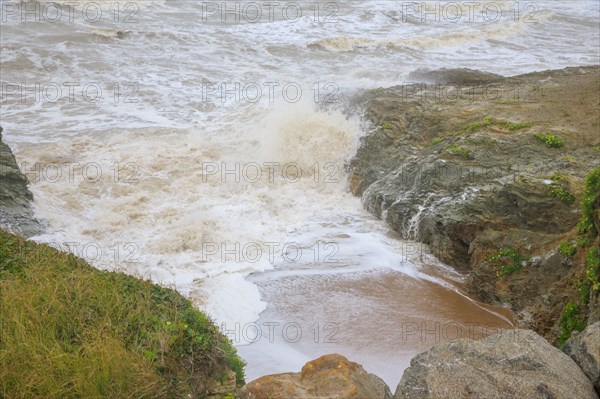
[380,319]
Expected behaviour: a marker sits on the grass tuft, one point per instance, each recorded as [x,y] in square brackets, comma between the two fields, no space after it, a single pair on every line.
[69,330]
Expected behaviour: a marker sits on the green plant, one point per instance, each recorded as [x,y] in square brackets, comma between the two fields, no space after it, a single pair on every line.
[512,126]
[460,151]
[584,290]
[591,279]
[590,196]
[567,249]
[550,140]
[559,188]
[596,148]
[570,320]
[387,126]
[562,194]
[508,261]
[436,141]
[582,241]
[592,271]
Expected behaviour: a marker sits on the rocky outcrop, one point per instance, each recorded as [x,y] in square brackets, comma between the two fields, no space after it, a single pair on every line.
[514,364]
[330,376]
[584,349]
[475,168]
[15,212]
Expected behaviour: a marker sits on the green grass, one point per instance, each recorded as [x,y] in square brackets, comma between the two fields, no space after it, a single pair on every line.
[436,141]
[592,192]
[489,121]
[508,261]
[570,320]
[71,331]
[551,140]
[387,126]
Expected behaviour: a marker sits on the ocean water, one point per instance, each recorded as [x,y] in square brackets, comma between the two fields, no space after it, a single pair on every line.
[203,145]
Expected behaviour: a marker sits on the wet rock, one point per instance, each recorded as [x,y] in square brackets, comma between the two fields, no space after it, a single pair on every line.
[584,349]
[459,169]
[330,376]
[16,215]
[513,364]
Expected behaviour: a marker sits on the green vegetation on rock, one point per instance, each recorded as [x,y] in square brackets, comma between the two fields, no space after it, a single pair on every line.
[590,196]
[508,261]
[387,126]
[436,141]
[591,281]
[489,121]
[71,331]
[567,249]
[460,151]
[559,188]
[570,320]
[550,140]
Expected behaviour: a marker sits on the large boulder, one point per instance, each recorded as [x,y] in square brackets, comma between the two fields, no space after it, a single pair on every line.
[15,198]
[330,376]
[584,349]
[512,364]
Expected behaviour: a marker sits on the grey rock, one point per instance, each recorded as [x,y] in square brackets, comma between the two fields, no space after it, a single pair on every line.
[584,349]
[16,214]
[513,364]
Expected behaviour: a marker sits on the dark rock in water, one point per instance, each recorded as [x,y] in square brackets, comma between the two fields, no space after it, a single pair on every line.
[330,376]
[459,76]
[461,169]
[16,215]
[584,349]
[513,364]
